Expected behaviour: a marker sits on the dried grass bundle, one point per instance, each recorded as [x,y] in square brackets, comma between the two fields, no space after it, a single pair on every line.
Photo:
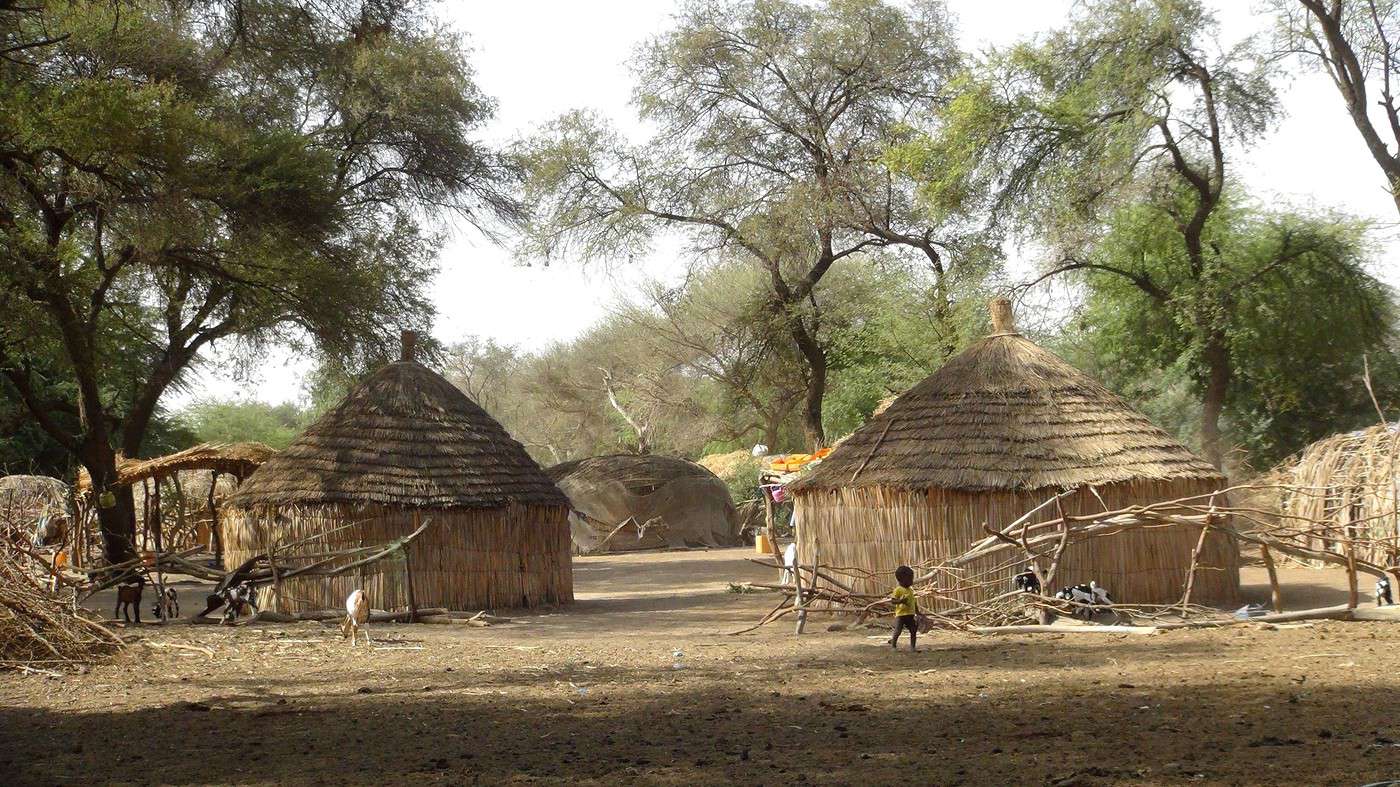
[1349,485]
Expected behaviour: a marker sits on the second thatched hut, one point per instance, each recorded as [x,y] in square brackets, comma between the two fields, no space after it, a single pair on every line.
[403,447]
[995,432]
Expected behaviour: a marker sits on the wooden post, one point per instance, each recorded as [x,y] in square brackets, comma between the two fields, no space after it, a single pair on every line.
[215,536]
[1275,596]
[1352,594]
[1196,559]
[157,523]
[408,576]
[801,608]
[145,513]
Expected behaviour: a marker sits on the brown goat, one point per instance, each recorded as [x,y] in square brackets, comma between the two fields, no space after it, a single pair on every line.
[128,599]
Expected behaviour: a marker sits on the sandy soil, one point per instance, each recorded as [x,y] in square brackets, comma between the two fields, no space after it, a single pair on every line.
[639,683]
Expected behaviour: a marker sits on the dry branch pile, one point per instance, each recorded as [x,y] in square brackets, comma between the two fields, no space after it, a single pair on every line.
[39,628]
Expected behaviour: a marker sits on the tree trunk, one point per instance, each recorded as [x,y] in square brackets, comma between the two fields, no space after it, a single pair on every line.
[815,355]
[1218,374]
[116,523]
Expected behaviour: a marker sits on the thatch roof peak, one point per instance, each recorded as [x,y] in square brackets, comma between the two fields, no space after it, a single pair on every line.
[1005,414]
[403,437]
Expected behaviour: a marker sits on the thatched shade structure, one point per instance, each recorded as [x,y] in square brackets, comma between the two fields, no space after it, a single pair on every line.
[996,431]
[680,503]
[403,446]
[222,461]
[1349,484]
[235,459]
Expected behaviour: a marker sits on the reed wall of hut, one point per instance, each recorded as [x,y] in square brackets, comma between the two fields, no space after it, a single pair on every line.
[880,528]
[511,556]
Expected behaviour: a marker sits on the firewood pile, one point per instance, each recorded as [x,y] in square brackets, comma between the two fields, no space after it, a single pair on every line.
[945,587]
[41,630]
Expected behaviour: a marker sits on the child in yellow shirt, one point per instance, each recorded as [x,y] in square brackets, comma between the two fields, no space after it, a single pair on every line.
[906,608]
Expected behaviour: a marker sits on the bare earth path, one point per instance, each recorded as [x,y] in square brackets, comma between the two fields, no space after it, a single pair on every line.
[595,695]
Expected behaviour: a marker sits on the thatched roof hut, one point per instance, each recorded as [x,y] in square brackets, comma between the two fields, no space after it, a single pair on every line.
[403,446]
[1347,482]
[677,503]
[996,431]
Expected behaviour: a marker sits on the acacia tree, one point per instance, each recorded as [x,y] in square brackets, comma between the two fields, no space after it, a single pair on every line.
[1125,104]
[174,175]
[1294,297]
[714,327]
[1357,43]
[772,120]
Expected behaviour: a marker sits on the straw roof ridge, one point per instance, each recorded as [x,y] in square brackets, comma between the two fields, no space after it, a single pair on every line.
[403,437]
[639,473]
[1005,414]
[238,459]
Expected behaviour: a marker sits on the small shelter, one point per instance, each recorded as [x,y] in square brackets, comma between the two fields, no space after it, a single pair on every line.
[402,447]
[667,502]
[1349,485]
[995,432]
[189,515]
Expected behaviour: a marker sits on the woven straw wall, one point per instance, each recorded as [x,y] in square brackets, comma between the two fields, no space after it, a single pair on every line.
[878,528]
[469,558]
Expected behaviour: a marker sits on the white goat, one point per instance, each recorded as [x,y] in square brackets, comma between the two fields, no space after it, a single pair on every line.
[356,617]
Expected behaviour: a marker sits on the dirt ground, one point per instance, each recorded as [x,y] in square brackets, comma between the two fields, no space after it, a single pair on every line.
[640,683]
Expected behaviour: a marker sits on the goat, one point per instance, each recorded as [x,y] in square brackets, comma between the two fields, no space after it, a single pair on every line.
[167,604]
[129,599]
[356,617]
[1026,581]
[1080,597]
[238,599]
[1383,597]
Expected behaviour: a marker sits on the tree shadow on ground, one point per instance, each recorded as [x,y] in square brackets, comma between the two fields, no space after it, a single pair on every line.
[715,732]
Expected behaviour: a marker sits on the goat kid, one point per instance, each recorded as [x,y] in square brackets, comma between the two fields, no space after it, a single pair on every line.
[238,599]
[129,599]
[1383,596]
[167,606]
[356,617]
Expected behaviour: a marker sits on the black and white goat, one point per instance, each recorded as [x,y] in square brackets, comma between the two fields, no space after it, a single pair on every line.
[167,606]
[1383,596]
[1027,581]
[1085,598]
[238,599]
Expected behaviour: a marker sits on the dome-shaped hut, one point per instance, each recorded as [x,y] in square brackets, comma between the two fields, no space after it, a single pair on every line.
[995,432]
[670,503]
[406,445]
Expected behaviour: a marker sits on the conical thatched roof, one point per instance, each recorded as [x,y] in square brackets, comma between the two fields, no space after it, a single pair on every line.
[1005,414]
[403,437]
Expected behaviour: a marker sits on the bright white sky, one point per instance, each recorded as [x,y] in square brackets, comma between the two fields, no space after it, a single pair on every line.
[540,58]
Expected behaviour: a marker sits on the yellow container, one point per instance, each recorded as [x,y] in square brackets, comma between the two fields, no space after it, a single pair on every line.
[761,545]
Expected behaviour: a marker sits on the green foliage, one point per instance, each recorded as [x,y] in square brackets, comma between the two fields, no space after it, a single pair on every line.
[178,175]
[1296,302]
[230,421]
